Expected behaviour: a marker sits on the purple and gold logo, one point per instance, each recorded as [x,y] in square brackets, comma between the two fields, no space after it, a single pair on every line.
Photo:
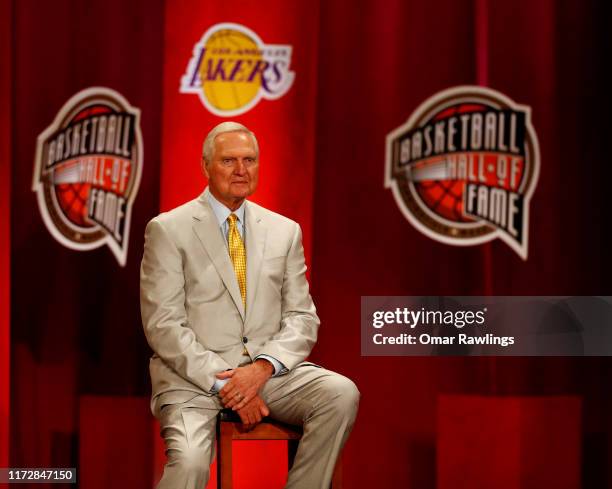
[231,70]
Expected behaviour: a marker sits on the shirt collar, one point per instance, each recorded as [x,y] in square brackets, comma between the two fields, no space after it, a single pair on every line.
[222,213]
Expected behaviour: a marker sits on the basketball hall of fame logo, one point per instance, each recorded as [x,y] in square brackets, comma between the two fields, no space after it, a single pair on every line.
[464,166]
[231,70]
[87,171]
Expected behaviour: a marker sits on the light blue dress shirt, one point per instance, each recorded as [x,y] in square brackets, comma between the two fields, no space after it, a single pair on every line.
[222,213]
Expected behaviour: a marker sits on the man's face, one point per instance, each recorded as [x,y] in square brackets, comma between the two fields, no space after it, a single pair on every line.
[234,170]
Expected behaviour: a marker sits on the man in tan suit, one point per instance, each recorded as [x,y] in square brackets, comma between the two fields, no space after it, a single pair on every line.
[226,309]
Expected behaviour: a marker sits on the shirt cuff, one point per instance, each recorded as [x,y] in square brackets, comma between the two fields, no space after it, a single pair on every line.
[218,385]
[279,368]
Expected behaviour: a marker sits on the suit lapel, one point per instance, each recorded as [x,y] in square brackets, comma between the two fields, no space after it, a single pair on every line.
[256,232]
[206,228]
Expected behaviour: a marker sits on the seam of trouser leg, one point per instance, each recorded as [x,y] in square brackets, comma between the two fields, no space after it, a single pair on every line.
[185,428]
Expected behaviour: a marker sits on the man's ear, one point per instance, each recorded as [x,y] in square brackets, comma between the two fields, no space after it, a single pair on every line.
[204,169]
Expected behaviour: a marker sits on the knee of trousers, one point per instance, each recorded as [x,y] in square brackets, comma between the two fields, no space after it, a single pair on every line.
[193,462]
[344,397]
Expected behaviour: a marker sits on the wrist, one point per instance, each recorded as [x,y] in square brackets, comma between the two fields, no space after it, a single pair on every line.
[265,366]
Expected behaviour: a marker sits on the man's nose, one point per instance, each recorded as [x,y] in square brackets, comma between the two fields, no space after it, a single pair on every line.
[240,167]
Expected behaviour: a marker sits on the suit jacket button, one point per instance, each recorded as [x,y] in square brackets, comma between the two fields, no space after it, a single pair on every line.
[245,339]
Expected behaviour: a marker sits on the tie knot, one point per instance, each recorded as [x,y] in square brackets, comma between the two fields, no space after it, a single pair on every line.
[232,219]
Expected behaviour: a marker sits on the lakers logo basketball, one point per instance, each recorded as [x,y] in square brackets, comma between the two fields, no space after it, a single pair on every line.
[231,70]
[464,166]
[87,171]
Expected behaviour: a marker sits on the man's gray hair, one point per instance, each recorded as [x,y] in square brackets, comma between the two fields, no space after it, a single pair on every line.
[208,148]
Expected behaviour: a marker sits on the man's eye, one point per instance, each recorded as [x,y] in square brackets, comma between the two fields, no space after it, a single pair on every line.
[227,161]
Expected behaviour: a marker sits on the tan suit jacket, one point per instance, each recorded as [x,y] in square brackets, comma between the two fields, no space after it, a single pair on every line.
[192,311]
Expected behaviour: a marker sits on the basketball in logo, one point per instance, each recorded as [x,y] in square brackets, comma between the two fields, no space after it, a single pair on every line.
[464,166]
[231,70]
[87,171]
[233,44]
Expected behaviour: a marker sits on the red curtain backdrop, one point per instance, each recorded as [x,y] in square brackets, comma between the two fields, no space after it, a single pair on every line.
[75,316]
[510,435]
[376,65]
[5,219]
[361,68]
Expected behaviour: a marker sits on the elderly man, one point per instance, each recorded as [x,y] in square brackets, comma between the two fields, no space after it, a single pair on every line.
[227,312]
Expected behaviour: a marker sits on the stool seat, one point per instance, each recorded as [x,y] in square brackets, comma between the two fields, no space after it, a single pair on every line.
[229,428]
[229,415]
[233,417]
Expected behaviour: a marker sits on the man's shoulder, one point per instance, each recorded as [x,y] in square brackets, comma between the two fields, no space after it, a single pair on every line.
[271,217]
[182,214]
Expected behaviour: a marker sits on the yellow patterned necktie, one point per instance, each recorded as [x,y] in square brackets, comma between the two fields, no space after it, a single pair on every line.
[237,254]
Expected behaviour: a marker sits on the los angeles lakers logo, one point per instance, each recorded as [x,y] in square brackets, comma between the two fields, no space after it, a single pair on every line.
[87,171]
[464,166]
[231,70]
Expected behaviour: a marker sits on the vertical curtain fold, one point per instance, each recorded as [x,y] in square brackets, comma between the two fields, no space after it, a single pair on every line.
[6,101]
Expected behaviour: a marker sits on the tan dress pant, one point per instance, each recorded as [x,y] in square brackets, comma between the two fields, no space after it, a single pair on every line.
[325,403]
